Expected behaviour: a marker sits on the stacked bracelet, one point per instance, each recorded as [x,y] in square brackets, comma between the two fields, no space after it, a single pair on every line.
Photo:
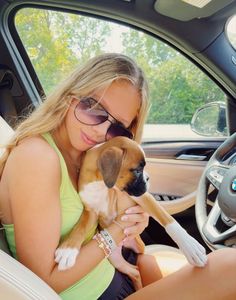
[105,242]
[108,239]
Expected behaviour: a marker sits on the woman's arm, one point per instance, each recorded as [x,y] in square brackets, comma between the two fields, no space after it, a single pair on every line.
[34,176]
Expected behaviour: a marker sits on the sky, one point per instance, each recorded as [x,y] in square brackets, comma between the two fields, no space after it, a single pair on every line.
[114,42]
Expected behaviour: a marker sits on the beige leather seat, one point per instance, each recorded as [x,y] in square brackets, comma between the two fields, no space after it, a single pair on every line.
[5,133]
[18,282]
[169,259]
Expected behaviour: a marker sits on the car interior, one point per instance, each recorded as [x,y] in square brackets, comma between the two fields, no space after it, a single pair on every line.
[177,165]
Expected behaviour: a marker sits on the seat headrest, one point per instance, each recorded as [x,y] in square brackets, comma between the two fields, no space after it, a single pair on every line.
[6,133]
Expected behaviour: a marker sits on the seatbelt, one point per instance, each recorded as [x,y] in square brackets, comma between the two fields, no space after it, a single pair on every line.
[7,105]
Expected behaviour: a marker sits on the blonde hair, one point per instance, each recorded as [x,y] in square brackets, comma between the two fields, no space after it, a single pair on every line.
[99,71]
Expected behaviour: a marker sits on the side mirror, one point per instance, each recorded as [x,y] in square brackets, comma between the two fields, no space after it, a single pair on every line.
[210,120]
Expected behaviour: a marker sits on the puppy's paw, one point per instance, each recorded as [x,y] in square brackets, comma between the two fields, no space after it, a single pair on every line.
[195,252]
[191,248]
[66,257]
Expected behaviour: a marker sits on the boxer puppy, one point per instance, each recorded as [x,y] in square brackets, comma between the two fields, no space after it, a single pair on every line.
[107,170]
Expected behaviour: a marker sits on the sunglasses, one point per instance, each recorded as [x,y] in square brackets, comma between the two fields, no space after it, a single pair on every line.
[89,112]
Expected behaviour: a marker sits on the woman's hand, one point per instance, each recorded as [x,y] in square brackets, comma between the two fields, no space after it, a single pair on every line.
[139,217]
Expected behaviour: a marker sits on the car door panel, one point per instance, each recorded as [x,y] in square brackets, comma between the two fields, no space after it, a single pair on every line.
[173,177]
[173,182]
[175,168]
[174,149]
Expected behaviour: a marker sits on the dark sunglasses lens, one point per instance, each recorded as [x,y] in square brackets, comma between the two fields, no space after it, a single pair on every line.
[89,112]
[118,130]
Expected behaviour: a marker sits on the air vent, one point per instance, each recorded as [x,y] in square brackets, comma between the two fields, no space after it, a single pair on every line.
[159,197]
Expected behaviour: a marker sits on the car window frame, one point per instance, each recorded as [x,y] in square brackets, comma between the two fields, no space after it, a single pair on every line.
[27,70]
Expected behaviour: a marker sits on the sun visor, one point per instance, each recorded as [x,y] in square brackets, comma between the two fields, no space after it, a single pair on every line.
[185,10]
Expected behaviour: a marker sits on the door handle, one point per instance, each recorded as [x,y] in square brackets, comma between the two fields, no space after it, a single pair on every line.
[191,157]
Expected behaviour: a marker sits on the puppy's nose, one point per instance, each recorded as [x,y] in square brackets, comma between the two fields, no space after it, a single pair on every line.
[146,176]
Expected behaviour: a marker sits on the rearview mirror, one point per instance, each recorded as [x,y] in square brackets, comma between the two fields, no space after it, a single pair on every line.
[210,120]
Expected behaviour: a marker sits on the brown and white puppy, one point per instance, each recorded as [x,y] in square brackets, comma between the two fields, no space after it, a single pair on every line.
[115,167]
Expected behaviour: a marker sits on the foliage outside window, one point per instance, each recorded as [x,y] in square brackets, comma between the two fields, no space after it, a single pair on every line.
[56,42]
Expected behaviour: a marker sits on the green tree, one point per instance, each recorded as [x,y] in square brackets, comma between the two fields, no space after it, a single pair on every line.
[177,86]
[178,89]
[56,41]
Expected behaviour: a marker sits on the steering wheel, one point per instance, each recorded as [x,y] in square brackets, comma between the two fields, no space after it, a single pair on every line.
[218,228]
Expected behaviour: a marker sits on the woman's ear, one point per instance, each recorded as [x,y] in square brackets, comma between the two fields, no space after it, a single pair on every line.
[109,164]
[71,100]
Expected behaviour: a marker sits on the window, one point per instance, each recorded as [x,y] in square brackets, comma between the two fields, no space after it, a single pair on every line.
[56,42]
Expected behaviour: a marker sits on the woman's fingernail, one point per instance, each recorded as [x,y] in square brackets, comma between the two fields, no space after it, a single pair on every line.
[126,232]
[128,211]
[124,218]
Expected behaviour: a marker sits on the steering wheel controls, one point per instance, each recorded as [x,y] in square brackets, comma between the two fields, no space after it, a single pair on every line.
[227,220]
[227,194]
[216,175]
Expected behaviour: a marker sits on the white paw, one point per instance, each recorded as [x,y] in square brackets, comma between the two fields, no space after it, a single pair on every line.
[191,248]
[66,257]
[194,252]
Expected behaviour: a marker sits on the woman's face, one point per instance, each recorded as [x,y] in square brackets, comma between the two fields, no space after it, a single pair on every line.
[121,100]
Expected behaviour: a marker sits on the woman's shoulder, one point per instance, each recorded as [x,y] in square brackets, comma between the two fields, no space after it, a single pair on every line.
[36,150]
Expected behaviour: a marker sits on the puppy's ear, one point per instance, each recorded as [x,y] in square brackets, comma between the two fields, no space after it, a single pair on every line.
[109,164]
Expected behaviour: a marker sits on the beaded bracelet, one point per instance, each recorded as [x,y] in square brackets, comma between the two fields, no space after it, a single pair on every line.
[101,244]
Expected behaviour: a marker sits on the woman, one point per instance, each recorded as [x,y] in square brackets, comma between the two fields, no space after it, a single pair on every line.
[40,172]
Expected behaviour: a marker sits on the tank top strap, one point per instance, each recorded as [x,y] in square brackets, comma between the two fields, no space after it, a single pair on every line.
[64,172]
[47,136]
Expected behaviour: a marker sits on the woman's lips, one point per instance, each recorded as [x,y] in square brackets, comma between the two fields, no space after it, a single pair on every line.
[87,140]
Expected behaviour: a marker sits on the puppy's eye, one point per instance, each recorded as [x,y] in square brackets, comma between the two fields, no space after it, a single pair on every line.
[143,164]
[136,171]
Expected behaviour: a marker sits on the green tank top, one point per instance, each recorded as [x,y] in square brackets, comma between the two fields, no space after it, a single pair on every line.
[91,286]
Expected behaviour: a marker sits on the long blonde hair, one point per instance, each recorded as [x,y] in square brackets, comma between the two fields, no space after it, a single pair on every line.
[99,71]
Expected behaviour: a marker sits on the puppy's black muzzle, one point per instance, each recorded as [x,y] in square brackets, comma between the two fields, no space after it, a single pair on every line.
[137,187]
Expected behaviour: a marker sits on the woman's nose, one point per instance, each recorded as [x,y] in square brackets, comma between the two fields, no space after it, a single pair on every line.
[101,129]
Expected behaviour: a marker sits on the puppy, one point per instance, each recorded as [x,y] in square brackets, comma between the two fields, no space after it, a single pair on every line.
[109,170]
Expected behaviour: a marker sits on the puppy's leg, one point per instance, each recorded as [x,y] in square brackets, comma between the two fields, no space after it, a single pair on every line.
[153,208]
[118,203]
[192,249]
[68,250]
[122,202]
